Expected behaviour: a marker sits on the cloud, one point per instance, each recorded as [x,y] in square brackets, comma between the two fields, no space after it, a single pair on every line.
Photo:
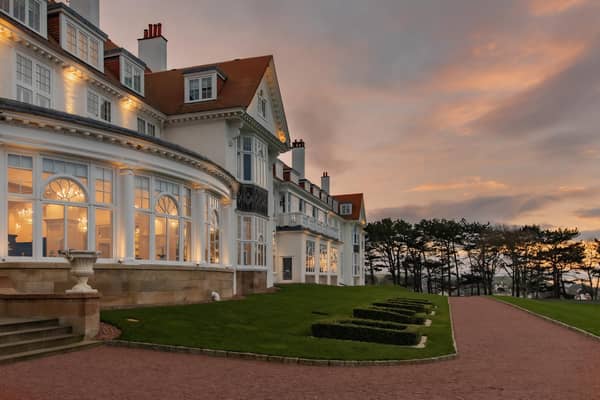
[552,7]
[473,183]
[588,213]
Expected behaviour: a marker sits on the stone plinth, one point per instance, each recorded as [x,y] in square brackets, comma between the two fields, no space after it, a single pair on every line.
[78,310]
[249,282]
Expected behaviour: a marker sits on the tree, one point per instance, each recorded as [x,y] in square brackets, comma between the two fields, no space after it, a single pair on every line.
[591,266]
[560,255]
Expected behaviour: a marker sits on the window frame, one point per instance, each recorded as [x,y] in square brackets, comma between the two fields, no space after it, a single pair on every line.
[37,25]
[199,77]
[93,43]
[33,87]
[102,101]
[137,70]
[258,154]
[256,244]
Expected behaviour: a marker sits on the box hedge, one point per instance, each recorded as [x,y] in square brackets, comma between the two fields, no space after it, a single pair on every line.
[336,330]
[403,306]
[375,324]
[406,300]
[402,311]
[384,315]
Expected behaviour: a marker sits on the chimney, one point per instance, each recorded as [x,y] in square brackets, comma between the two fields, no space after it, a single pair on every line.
[325,182]
[88,9]
[298,157]
[152,48]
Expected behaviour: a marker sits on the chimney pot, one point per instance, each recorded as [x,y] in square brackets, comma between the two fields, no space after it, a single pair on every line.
[145,33]
[159,29]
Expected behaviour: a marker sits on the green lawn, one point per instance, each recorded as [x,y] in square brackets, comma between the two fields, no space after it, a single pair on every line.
[279,324]
[584,316]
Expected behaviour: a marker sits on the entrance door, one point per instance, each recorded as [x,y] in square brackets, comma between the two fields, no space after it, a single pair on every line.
[287,268]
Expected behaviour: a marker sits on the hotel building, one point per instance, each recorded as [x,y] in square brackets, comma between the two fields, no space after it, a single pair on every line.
[172,175]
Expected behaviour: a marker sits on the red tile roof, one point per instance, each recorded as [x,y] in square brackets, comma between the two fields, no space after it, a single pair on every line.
[356,199]
[165,90]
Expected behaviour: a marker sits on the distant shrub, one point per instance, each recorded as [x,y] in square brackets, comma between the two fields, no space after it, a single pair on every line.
[384,315]
[336,330]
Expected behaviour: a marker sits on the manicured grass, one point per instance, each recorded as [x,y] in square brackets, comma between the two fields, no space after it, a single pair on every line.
[584,316]
[280,324]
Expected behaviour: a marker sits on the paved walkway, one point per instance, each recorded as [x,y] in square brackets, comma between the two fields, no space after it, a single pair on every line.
[504,354]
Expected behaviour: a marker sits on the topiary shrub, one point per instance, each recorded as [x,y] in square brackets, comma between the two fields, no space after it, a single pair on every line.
[384,315]
[336,330]
[404,306]
[375,324]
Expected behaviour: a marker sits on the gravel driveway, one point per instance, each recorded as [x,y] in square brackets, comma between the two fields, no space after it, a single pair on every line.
[503,354]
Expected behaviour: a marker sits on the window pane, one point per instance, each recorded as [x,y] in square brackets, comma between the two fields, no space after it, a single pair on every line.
[93,104]
[94,52]
[24,95]
[83,46]
[207,88]
[166,205]
[105,110]
[34,15]
[20,229]
[20,175]
[194,88]
[173,239]
[77,228]
[142,236]
[64,190]
[24,70]
[160,238]
[247,167]
[187,241]
[103,185]
[71,39]
[104,233]
[19,10]
[5,5]
[53,230]
[141,126]
[142,192]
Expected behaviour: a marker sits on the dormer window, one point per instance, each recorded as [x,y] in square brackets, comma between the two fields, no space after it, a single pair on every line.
[200,88]
[262,104]
[28,12]
[133,76]
[346,209]
[82,44]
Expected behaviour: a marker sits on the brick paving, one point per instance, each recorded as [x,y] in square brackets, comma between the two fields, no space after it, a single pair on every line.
[504,353]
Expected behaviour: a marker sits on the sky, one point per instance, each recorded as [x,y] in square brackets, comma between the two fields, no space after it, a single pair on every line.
[483,109]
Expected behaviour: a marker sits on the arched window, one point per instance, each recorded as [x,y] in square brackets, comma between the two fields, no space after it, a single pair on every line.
[65,217]
[166,229]
[212,234]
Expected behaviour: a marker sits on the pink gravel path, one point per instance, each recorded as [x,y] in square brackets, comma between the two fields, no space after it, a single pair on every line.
[504,354]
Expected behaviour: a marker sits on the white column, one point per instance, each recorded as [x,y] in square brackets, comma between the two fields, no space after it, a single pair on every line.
[317,261]
[302,260]
[126,212]
[229,234]
[201,218]
[3,203]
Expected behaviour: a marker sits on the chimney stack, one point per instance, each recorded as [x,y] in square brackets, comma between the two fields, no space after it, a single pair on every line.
[152,48]
[88,9]
[325,182]
[298,157]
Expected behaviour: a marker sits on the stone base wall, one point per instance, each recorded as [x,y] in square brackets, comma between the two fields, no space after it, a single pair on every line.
[249,282]
[123,285]
[80,311]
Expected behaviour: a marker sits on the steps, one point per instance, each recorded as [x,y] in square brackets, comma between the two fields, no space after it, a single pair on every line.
[23,339]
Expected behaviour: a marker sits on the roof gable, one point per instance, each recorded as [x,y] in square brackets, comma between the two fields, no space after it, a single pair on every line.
[358,205]
[165,90]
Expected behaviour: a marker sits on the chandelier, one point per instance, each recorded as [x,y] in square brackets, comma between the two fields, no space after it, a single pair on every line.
[26,214]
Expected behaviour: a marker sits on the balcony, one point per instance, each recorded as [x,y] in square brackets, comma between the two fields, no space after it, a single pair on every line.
[302,220]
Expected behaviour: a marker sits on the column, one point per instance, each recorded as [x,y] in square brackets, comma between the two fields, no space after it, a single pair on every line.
[201,225]
[126,213]
[3,203]
[228,233]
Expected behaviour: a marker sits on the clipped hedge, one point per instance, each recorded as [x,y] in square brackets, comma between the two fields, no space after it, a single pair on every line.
[384,315]
[336,330]
[375,324]
[406,300]
[408,313]
[403,306]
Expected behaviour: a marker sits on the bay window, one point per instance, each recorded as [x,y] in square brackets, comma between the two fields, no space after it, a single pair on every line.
[252,158]
[251,240]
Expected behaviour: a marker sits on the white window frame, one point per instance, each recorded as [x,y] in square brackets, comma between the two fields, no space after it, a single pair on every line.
[262,105]
[258,154]
[257,242]
[149,129]
[41,28]
[310,264]
[33,87]
[136,70]
[346,209]
[101,99]
[199,77]
[94,42]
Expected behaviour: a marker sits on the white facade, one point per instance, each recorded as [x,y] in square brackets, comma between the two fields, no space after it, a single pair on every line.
[87,163]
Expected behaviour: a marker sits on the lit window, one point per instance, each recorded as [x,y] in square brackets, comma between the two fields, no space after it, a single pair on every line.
[310,256]
[20,228]
[142,192]
[166,229]
[104,186]
[52,167]
[65,217]
[323,258]
[142,236]
[212,248]
[333,260]
[104,232]
[20,174]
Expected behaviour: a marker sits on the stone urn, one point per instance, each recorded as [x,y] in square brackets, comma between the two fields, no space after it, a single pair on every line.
[82,268]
